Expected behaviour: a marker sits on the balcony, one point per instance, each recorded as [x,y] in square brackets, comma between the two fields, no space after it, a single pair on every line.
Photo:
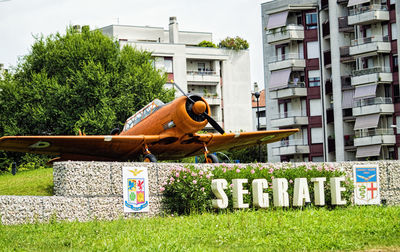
[372,75]
[285,34]
[293,60]
[201,77]
[326,30]
[370,46]
[344,24]
[291,91]
[327,59]
[346,82]
[289,119]
[383,136]
[291,147]
[368,14]
[345,54]
[381,105]
[212,100]
[349,142]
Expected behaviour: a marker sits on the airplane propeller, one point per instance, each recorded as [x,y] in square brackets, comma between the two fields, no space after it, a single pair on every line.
[199,108]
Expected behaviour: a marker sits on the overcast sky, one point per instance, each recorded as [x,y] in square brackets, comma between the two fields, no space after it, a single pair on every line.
[21,19]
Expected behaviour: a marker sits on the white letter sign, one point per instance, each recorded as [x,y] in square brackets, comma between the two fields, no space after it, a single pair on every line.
[336,191]
[237,193]
[301,192]
[217,187]
[319,192]
[136,189]
[260,199]
[281,196]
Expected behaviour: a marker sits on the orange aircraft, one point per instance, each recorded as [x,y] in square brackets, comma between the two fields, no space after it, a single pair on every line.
[166,131]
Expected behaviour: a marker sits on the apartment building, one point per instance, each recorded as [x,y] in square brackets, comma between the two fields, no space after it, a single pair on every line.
[221,76]
[331,70]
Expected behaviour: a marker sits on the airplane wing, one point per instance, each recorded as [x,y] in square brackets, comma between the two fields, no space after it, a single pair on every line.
[237,140]
[79,147]
[121,148]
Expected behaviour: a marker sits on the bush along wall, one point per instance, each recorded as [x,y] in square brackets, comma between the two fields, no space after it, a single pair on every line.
[188,188]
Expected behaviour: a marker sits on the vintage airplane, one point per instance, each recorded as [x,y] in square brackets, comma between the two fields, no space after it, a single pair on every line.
[167,131]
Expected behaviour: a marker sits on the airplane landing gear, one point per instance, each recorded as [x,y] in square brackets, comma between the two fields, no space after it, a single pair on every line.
[150,158]
[211,158]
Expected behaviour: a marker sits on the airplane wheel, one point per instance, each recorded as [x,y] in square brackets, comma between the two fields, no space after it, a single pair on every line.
[150,158]
[211,158]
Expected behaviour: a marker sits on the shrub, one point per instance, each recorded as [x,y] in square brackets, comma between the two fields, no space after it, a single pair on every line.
[206,43]
[236,43]
[188,189]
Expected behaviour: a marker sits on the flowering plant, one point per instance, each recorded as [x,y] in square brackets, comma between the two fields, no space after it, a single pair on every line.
[188,188]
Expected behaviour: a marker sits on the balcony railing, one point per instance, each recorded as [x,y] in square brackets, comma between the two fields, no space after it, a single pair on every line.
[374,132]
[293,142]
[367,40]
[349,140]
[363,9]
[344,23]
[372,70]
[289,27]
[288,56]
[373,101]
[206,72]
[290,114]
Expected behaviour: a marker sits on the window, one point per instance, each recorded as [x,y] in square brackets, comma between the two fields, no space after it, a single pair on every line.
[392,1]
[314,78]
[168,65]
[317,135]
[385,31]
[313,50]
[311,21]
[395,63]
[315,107]
[201,67]
[318,159]
[394,31]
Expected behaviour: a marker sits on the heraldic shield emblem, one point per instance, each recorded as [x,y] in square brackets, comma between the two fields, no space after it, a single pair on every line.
[135,186]
[366,185]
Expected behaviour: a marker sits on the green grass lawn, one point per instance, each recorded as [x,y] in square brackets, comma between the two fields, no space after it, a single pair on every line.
[354,228]
[34,182]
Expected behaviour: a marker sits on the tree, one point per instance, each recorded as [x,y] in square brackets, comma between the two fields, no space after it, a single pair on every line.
[206,43]
[236,43]
[79,80]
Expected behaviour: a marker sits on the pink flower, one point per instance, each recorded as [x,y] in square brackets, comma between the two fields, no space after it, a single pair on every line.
[164,183]
[252,171]
[194,174]
[202,189]
[231,185]
[201,173]
[184,176]
[271,170]
[172,179]
[194,181]
[224,170]
[272,177]
[208,176]
[162,189]
[177,174]
[290,181]
[237,170]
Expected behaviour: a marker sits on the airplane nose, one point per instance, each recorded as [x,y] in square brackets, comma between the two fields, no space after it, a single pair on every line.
[199,107]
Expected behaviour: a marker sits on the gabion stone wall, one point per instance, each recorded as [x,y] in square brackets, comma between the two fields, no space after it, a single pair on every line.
[86,191]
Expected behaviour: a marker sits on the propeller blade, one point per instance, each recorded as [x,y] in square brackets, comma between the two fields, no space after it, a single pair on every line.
[179,88]
[214,123]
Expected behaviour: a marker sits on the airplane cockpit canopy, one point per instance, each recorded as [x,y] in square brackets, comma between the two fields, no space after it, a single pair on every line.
[143,113]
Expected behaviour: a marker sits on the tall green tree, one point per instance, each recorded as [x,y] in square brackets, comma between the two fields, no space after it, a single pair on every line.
[77,80]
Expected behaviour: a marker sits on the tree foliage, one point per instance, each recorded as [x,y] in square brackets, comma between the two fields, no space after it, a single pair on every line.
[78,80]
[236,43]
[206,43]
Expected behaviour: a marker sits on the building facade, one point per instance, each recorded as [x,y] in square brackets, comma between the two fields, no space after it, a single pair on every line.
[259,111]
[331,70]
[221,76]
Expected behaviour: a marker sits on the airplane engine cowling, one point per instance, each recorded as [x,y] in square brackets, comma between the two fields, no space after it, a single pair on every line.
[188,120]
